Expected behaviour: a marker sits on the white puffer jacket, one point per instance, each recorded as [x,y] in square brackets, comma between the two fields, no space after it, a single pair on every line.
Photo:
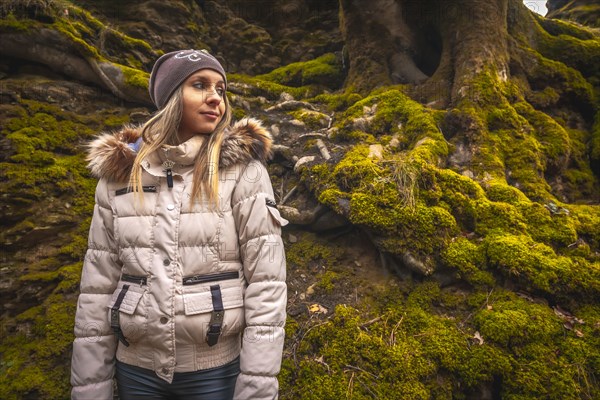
[158,269]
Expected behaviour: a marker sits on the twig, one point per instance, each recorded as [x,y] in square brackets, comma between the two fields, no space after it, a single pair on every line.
[393,334]
[487,300]
[371,322]
[312,134]
[288,195]
[306,333]
[361,370]
[349,390]
[281,190]
[320,361]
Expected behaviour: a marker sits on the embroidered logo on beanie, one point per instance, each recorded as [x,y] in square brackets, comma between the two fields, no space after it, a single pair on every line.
[171,69]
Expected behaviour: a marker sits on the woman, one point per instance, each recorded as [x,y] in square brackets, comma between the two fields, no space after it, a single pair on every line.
[183,284]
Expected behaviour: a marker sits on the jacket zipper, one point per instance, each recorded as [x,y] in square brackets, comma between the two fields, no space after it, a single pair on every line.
[141,280]
[125,190]
[221,276]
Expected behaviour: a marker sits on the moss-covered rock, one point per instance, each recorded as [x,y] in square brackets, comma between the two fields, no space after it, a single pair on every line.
[325,70]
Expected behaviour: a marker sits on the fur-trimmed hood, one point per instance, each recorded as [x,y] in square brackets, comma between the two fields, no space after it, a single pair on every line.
[111,155]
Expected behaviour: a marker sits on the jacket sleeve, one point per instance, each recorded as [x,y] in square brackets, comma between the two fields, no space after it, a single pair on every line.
[259,232]
[94,347]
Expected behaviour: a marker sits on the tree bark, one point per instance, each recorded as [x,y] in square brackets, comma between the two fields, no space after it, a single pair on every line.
[445,43]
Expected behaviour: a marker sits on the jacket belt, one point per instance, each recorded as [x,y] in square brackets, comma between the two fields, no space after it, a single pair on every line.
[216,317]
[115,323]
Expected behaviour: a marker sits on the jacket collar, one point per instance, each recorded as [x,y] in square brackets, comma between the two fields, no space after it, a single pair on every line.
[111,155]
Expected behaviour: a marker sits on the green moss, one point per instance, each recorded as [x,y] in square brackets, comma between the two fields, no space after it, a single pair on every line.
[115,121]
[534,337]
[135,77]
[517,322]
[312,119]
[356,170]
[395,112]
[546,98]
[324,70]
[70,31]
[538,267]
[469,259]
[46,166]
[11,24]
[337,101]
[36,366]
[366,210]
[239,113]
[350,355]
[500,191]
[353,136]
[587,224]
[557,27]
[566,80]
[573,51]
[309,250]
[327,282]
[556,230]
[595,144]
[253,86]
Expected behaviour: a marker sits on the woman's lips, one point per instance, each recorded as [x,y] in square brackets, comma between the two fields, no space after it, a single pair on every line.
[210,115]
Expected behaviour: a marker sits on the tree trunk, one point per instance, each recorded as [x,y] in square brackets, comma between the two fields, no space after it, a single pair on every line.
[477,55]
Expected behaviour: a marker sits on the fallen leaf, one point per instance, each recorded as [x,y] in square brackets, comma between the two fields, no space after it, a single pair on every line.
[317,308]
[478,339]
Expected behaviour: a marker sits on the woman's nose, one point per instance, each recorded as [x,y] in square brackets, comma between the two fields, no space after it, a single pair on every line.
[213,96]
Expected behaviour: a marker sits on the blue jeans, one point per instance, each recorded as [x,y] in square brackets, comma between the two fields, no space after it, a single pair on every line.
[209,384]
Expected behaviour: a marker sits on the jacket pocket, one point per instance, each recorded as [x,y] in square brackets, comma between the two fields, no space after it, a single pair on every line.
[198,303]
[201,309]
[128,319]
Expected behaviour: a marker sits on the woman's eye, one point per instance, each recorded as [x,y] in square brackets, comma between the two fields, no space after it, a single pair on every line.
[220,91]
[199,86]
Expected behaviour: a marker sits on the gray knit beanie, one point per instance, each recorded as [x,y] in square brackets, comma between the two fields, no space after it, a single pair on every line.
[171,69]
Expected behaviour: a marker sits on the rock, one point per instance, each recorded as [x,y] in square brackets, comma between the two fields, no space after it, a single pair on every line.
[418,266]
[297,123]
[275,130]
[394,143]
[332,132]
[314,119]
[283,151]
[329,220]
[361,124]
[302,161]
[344,205]
[285,96]
[468,173]
[290,105]
[139,117]
[294,215]
[323,149]
[293,238]
[376,151]
[297,309]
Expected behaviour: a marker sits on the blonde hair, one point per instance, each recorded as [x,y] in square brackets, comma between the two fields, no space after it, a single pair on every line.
[163,128]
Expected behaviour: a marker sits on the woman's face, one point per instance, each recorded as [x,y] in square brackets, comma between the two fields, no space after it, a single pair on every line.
[203,103]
